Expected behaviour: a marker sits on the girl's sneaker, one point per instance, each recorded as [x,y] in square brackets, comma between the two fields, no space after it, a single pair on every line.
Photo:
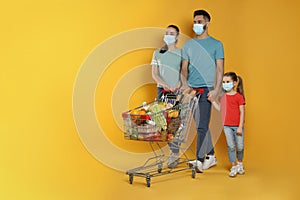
[240,169]
[233,171]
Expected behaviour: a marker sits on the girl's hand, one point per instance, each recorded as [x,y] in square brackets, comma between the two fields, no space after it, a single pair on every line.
[211,96]
[239,131]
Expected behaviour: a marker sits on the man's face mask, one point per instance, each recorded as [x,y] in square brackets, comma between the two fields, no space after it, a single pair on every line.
[199,28]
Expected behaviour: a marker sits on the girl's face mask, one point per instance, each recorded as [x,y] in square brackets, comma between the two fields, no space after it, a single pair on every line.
[227,86]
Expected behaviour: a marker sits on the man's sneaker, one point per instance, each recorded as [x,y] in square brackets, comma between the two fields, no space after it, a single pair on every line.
[209,161]
[197,164]
[173,160]
[233,171]
[240,168]
[192,163]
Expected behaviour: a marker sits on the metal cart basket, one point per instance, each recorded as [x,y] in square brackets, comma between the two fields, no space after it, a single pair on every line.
[167,120]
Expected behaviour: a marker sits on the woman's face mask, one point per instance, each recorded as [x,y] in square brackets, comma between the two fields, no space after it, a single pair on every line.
[170,39]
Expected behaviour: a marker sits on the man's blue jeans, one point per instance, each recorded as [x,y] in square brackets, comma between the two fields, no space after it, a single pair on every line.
[202,118]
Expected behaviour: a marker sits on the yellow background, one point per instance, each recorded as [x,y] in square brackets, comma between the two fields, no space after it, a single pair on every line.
[44,43]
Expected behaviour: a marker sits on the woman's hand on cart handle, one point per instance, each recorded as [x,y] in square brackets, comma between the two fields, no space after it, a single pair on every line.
[166,89]
[174,89]
[169,89]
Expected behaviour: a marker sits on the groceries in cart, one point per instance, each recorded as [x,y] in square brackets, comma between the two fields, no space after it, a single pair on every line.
[159,120]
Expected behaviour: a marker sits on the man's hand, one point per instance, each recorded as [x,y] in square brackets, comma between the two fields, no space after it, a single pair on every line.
[185,88]
[212,95]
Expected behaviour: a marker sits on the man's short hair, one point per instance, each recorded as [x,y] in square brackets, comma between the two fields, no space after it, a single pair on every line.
[202,12]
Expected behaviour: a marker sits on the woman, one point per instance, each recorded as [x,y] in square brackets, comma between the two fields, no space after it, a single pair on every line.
[166,63]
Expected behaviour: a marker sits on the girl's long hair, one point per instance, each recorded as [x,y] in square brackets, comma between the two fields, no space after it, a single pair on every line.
[239,80]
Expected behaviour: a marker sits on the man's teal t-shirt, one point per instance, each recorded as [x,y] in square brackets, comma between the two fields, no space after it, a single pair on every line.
[168,64]
[202,56]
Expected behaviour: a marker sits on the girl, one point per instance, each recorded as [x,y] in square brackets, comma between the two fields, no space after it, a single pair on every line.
[232,106]
[166,63]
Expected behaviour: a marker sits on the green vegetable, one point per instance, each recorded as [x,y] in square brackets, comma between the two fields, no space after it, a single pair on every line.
[158,117]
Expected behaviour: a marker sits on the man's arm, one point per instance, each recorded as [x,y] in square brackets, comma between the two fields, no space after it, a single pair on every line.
[184,73]
[219,77]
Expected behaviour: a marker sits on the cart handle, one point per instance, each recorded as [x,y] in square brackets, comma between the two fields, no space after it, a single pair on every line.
[169,91]
[199,90]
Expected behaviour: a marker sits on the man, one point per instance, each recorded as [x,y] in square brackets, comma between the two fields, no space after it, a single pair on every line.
[202,69]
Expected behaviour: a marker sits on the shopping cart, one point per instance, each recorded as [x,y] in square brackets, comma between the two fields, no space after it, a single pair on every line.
[165,120]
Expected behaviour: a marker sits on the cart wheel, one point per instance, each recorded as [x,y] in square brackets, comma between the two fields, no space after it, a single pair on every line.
[159,168]
[148,181]
[130,178]
[193,173]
